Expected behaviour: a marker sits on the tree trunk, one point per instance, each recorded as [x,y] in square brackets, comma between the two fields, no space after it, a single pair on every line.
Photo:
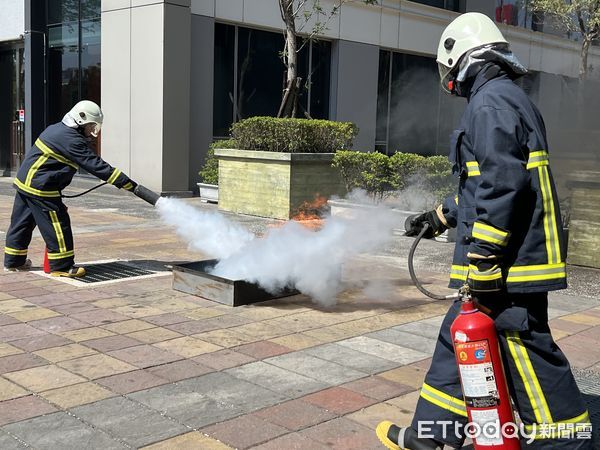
[289,100]
[583,63]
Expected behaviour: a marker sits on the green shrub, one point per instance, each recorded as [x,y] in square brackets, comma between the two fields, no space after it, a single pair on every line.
[293,135]
[209,173]
[382,176]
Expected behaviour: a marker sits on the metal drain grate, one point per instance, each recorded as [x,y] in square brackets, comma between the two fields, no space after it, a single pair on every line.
[589,385]
[96,273]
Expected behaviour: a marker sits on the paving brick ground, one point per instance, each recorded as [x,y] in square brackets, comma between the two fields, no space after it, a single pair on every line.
[136,364]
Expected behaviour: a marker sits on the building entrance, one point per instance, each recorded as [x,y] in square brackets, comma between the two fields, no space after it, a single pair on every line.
[12,97]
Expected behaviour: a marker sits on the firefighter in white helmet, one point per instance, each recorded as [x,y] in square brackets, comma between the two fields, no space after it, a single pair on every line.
[510,250]
[47,169]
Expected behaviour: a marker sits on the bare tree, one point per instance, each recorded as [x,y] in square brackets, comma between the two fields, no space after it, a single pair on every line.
[297,15]
[575,16]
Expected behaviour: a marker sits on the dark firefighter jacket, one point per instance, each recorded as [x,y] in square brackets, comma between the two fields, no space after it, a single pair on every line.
[506,205]
[50,164]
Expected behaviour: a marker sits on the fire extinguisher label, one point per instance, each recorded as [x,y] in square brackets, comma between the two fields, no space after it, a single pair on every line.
[483,418]
[477,374]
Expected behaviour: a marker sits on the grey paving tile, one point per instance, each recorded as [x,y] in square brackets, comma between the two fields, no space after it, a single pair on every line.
[129,421]
[553,313]
[427,330]
[305,364]
[405,339]
[186,404]
[571,303]
[60,431]
[348,357]
[384,350]
[277,379]
[9,443]
[227,389]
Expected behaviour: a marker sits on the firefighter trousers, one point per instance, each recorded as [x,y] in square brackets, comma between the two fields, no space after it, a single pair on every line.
[51,217]
[540,381]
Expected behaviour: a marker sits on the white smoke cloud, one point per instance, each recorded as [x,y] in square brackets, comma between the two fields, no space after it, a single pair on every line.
[206,232]
[289,256]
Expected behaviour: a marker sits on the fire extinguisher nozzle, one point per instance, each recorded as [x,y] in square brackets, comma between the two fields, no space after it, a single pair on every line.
[146,194]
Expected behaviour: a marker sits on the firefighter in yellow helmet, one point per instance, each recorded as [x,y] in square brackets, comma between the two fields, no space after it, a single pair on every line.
[509,250]
[47,169]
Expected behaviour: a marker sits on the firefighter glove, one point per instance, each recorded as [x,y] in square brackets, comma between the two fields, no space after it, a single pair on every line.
[415,223]
[485,275]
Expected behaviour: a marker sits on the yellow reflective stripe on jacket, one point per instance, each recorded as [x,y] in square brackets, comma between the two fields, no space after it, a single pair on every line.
[61,255]
[550,227]
[49,152]
[561,428]
[34,168]
[538,272]
[443,400]
[60,238]
[459,272]
[15,252]
[537,159]
[489,233]
[529,377]
[495,273]
[114,176]
[128,186]
[34,191]
[473,168]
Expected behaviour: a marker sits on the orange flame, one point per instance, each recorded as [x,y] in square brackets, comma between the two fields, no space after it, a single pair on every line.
[310,213]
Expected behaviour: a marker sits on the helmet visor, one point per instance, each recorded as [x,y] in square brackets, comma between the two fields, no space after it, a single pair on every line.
[445,76]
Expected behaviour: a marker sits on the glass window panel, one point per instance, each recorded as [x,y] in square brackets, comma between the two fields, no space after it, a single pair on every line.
[90,60]
[414,105]
[223,79]
[61,35]
[320,79]
[63,81]
[90,9]
[60,11]
[261,73]
[383,90]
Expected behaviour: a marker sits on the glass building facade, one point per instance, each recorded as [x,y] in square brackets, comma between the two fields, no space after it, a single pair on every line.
[73,59]
[249,76]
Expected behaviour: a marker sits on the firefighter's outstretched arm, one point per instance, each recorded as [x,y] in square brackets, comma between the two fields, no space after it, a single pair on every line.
[500,150]
[85,157]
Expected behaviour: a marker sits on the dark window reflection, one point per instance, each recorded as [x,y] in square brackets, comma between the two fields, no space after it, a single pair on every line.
[320,79]
[224,75]
[418,116]
[90,60]
[250,76]
[73,54]
[260,73]
[383,90]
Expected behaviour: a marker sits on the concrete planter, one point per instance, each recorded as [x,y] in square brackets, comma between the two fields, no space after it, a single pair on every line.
[273,184]
[584,227]
[345,208]
[209,193]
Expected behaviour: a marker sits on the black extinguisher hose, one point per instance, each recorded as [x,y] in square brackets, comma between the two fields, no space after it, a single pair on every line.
[84,192]
[413,275]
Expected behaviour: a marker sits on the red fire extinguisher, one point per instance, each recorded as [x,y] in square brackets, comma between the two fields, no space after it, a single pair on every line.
[484,387]
[490,414]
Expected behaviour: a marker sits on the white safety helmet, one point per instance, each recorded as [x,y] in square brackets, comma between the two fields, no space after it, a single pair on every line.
[85,112]
[464,34]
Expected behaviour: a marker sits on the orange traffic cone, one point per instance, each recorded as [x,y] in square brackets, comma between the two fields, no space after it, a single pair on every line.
[46,261]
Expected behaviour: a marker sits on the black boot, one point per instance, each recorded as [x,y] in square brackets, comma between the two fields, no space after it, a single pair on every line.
[396,438]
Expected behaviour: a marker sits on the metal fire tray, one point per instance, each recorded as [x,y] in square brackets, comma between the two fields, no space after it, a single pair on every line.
[193,278]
